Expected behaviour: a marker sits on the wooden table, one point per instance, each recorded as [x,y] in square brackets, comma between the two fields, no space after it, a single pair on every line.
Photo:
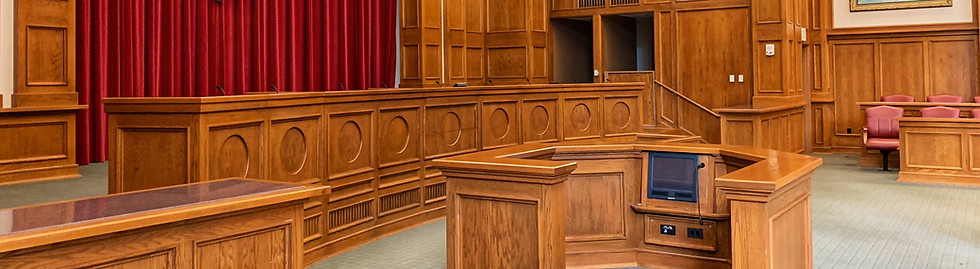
[217,224]
[873,158]
[584,205]
[945,151]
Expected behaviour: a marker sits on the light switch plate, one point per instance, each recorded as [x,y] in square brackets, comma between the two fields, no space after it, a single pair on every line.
[803,34]
[741,78]
[770,50]
[731,78]
[595,73]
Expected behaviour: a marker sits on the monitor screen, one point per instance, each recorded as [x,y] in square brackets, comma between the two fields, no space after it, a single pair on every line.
[673,176]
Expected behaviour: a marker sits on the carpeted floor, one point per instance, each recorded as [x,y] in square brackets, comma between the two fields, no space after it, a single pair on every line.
[862,218]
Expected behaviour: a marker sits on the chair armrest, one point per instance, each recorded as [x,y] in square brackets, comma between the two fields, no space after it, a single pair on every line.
[864,135]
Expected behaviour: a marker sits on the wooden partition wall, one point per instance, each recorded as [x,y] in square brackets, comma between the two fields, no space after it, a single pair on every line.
[776,127]
[374,147]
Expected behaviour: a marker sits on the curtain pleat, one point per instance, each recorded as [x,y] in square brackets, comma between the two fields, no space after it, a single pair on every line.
[165,48]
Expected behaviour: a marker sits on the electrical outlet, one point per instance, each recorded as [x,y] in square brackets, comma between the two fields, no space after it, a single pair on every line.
[770,50]
[695,233]
[595,73]
[668,229]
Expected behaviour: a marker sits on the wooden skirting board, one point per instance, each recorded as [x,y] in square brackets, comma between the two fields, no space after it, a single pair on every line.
[38,144]
[374,148]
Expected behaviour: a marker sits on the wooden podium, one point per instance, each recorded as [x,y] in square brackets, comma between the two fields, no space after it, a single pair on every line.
[585,205]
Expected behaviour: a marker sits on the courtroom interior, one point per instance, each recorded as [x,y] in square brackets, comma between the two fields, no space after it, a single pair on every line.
[490,134]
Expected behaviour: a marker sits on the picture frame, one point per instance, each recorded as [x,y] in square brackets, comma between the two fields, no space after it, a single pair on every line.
[878,5]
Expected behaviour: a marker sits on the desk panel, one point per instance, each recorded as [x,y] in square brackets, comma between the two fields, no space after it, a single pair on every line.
[941,151]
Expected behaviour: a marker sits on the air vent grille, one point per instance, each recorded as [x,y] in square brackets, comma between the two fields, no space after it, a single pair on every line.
[624,2]
[591,3]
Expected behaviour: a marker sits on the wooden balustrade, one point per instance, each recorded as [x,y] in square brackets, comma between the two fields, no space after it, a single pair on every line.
[374,148]
[665,108]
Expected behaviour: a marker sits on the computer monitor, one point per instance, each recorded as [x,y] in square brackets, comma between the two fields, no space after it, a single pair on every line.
[673,176]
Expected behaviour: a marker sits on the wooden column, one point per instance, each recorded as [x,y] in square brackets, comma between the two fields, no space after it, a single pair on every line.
[778,23]
[513,217]
[772,230]
[45,53]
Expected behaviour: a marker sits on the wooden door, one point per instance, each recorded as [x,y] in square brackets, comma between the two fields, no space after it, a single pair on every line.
[713,45]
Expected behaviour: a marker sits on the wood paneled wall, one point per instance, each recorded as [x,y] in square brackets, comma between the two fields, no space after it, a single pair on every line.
[374,148]
[480,42]
[421,43]
[852,65]
[864,68]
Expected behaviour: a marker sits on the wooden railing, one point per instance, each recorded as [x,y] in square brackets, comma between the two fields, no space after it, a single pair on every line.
[679,111]
[374,148]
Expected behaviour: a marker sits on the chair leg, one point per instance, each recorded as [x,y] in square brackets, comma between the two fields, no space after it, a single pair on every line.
[884,159]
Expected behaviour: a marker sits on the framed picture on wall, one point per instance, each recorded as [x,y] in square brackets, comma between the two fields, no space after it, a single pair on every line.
[874,5]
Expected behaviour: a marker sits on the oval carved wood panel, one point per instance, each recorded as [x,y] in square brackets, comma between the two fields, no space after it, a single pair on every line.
[450,129]
[350,148]
[292,151]
[499,123]
[233,158]
[581,117]
[621,115]
[397,137]
[539,120]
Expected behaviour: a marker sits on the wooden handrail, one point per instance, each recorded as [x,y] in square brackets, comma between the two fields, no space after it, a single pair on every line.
[685,98]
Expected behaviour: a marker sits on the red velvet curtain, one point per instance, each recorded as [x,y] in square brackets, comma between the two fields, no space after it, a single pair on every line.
[167,48]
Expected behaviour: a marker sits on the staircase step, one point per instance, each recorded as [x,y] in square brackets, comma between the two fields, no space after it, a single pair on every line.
[667,131]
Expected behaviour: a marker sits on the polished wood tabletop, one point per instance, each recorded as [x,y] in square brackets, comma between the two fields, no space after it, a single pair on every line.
[55,214]
[36,225]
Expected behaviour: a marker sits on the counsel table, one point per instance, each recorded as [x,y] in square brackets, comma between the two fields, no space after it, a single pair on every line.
[872,158]
[214,224]
[943,151]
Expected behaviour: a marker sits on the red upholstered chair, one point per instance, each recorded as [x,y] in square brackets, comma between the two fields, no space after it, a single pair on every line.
[898,98]
[944,98]
[882,131]
[940,112]
[976,113]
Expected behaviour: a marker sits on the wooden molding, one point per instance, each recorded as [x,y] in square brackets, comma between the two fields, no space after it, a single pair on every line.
[903,31]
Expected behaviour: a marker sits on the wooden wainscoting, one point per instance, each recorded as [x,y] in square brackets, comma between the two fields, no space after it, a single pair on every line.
[863,68]
[374,148]
[38,144]
[777,127]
